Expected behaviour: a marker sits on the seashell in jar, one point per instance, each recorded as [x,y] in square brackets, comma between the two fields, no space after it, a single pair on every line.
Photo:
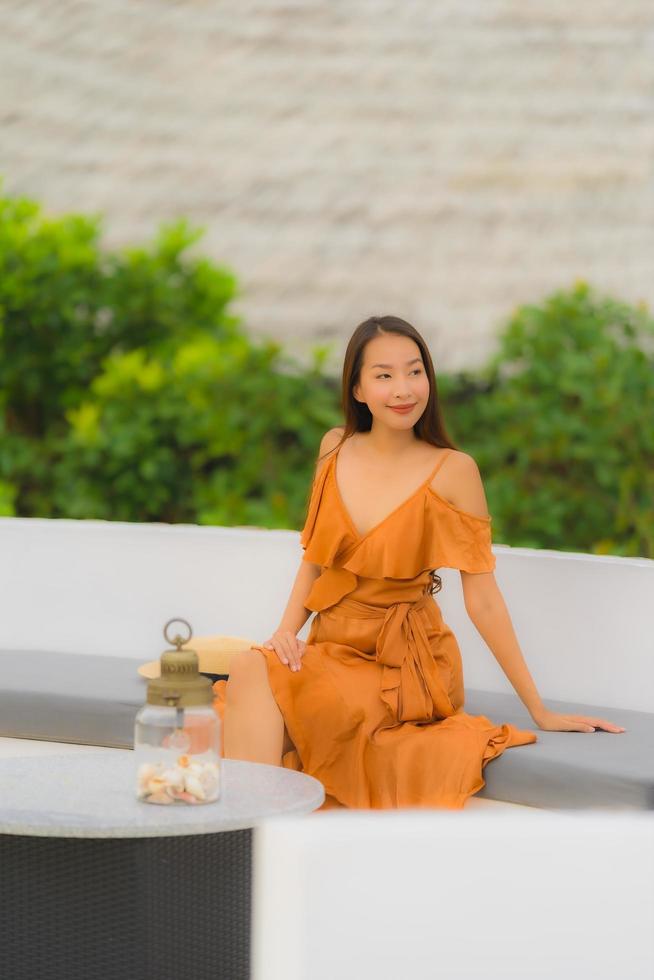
[155,785]
[173,777]
[159,798]
[146,771]
[209,778]
[194,786]
[145,775]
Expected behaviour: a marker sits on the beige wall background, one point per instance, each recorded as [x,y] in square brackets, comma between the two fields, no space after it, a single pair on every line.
[443,161]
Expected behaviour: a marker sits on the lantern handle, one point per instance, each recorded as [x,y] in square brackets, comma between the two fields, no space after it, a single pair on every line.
[178,641]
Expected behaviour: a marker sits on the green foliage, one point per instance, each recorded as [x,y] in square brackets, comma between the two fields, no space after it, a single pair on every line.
[561,423]
[128,391]
[65,305]
[212,433]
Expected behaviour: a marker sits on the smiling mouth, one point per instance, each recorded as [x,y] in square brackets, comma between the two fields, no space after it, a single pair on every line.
[403,406]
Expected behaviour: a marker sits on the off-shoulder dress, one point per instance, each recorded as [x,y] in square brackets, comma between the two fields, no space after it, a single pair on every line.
[376,710]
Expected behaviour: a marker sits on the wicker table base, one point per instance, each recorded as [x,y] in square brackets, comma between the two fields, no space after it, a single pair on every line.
[162,908]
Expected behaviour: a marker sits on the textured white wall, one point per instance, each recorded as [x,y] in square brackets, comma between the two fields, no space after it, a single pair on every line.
[443,161]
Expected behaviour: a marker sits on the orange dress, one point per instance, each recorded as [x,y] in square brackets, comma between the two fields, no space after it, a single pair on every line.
[376,710]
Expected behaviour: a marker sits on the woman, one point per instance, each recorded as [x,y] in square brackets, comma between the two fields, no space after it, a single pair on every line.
[372,703]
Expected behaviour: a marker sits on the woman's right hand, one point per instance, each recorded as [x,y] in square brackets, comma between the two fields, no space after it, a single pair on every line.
[288,648]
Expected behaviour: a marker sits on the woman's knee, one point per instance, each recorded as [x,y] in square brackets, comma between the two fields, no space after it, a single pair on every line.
[248,676]
[247,670]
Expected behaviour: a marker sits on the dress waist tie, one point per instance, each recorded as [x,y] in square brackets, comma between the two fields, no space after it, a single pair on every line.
[412,682]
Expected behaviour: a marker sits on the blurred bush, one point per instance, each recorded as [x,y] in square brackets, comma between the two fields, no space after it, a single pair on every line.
[561,423]
[128,391]
[212,433]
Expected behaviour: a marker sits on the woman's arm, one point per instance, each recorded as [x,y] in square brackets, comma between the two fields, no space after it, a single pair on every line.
[284,639]
[296,614]
[481,594]
[488,612]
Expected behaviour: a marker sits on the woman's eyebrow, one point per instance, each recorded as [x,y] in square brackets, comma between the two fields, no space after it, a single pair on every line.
[390,365]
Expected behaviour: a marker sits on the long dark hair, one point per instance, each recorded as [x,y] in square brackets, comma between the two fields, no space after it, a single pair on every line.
[430,427]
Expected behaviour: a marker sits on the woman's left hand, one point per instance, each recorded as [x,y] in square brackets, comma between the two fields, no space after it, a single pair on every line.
[551,721]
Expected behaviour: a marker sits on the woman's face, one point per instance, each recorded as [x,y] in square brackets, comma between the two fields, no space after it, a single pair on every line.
[393,373]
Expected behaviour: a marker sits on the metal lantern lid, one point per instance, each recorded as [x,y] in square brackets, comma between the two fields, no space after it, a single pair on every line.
[180,685]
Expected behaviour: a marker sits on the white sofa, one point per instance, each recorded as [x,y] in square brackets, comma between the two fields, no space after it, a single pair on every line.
[106,588]
[500,890]
[503,896]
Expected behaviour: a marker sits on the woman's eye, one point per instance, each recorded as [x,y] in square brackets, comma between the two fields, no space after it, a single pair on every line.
[415,371]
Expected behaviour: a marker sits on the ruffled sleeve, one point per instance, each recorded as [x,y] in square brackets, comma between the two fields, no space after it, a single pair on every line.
[430,534]
[313,507]
[325,533]
[462,540]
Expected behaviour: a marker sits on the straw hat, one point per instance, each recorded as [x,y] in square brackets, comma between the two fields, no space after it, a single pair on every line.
[214,654]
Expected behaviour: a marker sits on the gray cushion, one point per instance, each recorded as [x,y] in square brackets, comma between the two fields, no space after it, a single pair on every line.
[570,770]
[93,700]
[68,697]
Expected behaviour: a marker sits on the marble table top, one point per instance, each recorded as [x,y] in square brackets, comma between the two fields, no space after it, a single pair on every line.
[95,796]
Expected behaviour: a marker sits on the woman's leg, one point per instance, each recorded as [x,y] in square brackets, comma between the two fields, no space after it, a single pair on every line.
[254,726]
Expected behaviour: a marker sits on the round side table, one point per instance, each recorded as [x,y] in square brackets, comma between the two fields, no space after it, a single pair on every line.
[97,883]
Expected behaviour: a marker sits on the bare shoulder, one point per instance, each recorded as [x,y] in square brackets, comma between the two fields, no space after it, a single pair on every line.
[459,481]
[331,439]
[328,443]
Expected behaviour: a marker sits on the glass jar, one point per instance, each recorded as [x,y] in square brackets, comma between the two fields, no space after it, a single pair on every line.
[177,760]
[177,734]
